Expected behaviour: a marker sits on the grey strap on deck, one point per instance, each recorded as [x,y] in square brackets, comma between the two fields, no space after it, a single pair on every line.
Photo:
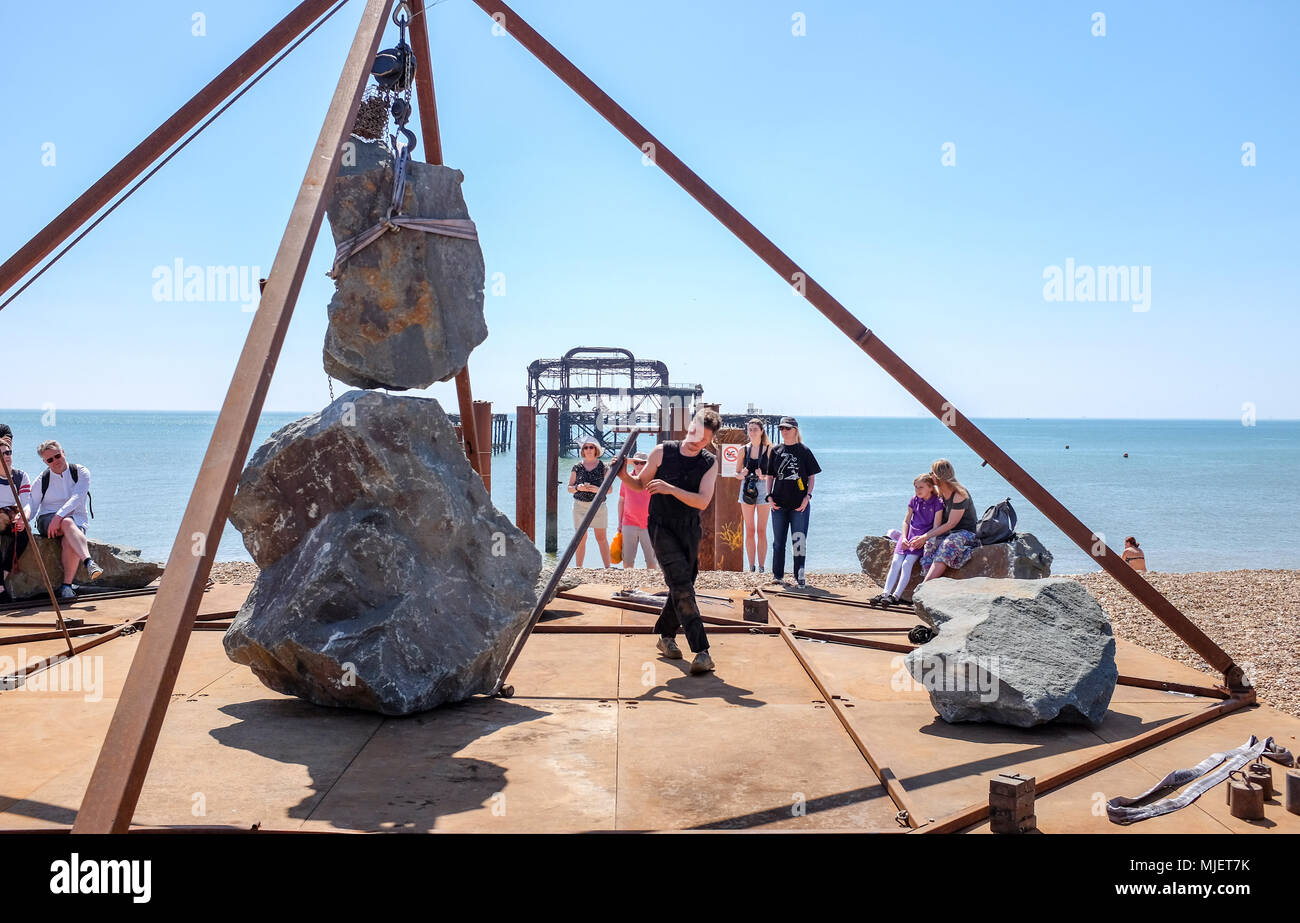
[1130,810]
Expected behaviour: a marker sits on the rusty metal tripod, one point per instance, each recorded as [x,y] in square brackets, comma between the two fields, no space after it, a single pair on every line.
[114,788]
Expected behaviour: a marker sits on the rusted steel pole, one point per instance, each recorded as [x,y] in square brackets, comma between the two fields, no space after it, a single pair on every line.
[579,534]
[162,138]
[652,148]
[893,786]
[526,471]
[552,480]
[36,551]
[483,427]
[123,761]
[431,135]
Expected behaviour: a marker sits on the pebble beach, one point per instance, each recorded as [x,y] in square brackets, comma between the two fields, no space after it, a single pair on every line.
[1252,614]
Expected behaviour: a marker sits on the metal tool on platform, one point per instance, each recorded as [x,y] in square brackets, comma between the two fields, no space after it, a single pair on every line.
[756,608]
[579,535]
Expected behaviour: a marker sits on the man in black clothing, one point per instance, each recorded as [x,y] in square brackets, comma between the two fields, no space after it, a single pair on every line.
[680,477]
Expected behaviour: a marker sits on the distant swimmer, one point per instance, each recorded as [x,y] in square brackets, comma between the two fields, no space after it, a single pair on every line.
[1133,555]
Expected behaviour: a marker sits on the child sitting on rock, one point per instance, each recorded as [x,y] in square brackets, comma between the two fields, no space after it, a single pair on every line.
[923,513]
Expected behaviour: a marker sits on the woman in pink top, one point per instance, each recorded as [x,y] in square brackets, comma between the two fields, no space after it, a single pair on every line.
[633,517]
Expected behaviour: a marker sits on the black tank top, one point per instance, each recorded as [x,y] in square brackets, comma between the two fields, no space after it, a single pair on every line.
[753,464]
[681,471]
[968,520]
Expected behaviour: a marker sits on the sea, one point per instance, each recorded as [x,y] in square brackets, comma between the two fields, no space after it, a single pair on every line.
[1199,495]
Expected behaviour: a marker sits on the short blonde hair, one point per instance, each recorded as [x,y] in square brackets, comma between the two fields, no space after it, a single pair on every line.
[47,445]
[920,479]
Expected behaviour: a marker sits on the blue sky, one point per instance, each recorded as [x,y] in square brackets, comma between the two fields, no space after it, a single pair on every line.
[1122,149]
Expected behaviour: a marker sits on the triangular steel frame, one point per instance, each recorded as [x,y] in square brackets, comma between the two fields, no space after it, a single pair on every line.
[111,796]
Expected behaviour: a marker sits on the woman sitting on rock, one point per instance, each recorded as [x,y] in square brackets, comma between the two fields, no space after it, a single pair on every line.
[953,541]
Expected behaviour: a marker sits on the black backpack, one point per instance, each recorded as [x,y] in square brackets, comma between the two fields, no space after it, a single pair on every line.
[45,487]
[998,524]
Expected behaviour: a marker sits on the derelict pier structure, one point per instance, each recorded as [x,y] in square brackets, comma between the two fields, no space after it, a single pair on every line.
[604,390]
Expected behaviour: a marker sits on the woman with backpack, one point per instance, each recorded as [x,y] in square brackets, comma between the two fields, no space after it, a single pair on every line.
[953,541]
[754,504]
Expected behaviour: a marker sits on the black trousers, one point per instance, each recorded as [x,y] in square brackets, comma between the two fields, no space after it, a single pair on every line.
[677,546]
[12,546]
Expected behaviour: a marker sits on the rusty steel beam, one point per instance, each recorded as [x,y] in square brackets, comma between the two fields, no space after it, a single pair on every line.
[431,135]
[55,659]
[552,480]
[793,275]
[544,628]
[892,784]
[123,761]
[483,430]
[579,534]
[1210,692]
[969,816]
[162,138]
[526,470]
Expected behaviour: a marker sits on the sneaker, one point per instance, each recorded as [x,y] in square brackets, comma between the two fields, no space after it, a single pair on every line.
[703,663]
[94,571]
[760,568]
[668,647]
[753,569]
[802,584]
[67,593]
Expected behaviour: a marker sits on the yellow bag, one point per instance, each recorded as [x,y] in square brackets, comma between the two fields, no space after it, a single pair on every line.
[616,548]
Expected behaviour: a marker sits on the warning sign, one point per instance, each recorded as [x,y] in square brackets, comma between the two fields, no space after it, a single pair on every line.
[731,460]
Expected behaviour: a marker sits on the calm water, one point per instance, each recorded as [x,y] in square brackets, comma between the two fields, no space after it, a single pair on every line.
[1195,493]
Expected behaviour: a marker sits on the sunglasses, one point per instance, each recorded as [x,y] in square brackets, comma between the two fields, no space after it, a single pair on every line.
[6,452]
[53,458]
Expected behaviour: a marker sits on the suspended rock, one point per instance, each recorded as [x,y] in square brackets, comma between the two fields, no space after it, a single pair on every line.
[407,309]
[124,569]
[1022,558]
[389,582]
[1017,652]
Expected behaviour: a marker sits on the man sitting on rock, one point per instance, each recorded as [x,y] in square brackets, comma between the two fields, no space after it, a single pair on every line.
[680,477]
[59,500]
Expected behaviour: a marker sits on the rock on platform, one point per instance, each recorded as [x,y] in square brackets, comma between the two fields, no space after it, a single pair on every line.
[124,569]
[1017,652]
[1022,558]
[408,309]
[389,582]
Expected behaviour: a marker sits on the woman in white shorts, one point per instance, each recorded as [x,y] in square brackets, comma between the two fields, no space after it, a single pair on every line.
[584,483]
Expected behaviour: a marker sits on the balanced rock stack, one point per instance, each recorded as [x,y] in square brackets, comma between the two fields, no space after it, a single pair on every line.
[407,309]
[389,582]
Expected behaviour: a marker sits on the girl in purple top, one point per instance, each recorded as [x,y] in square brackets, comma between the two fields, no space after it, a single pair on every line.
[923,513]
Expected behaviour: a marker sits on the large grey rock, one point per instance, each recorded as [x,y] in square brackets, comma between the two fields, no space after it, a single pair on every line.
[388,582]
[408,309]
[1018,652]
[1022,558]
[124,569]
